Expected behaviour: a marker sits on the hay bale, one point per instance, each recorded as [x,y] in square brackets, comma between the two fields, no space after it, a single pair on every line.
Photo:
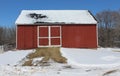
[48,53]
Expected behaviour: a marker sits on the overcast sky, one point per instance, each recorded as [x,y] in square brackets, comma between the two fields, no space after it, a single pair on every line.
[10,9]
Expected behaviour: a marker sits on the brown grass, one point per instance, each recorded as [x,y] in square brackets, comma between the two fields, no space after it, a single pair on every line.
[48,53]
[109,72]
[28,63]
[116,50]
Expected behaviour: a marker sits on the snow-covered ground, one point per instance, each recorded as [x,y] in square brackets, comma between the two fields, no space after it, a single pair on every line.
[92,57]
[81,62]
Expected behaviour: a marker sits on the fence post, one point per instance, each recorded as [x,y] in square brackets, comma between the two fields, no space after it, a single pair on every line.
[1,49]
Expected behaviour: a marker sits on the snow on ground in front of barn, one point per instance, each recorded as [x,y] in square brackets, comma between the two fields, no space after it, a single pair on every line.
[90,57]
[81,62]
[12,57]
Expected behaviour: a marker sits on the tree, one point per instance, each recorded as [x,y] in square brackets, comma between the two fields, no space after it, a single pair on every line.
[8,37]
[108,21]
[1,34]
[117,29]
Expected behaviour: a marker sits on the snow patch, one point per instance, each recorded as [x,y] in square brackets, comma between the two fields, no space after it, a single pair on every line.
[77,59]
[109,58]
[37,60]
[89,57]
[13,57]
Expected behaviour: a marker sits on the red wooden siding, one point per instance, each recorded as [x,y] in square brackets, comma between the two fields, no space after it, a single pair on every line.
[43,42]
[55,31]
[73,36]
[79,36]
[55,41]
[26,37]
[43,31]
[43,36]
[55,35]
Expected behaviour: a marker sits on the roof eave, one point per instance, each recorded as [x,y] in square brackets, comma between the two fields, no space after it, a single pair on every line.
[52,23]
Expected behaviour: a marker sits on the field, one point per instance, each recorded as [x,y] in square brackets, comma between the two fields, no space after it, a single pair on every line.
[80,62]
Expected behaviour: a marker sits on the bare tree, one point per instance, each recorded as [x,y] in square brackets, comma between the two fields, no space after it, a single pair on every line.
[8,37]
[108,21]
[117,29]
[1,33]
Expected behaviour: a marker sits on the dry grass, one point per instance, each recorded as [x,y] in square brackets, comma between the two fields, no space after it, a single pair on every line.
[109,72]
[116,50]
[28,63]
[48,53]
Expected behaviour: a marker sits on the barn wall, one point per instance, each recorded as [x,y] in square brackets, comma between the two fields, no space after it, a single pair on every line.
[26,37]
[73,36]
[79,36]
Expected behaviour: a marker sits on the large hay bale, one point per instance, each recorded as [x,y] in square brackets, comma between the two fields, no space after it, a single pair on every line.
[48,53]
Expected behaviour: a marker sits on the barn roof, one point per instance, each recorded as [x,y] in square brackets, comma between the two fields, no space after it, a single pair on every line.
[56,16]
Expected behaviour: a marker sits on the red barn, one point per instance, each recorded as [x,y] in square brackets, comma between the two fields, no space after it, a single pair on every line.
[56,28]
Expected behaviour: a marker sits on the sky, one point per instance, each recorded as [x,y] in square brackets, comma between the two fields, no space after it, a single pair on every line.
[10,9]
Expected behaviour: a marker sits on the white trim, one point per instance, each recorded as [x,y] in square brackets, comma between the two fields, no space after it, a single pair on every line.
[56,37]
[49,37]
[16,35]
[61,35]
[51,46]
[38,35]
[42,37]
[97,34]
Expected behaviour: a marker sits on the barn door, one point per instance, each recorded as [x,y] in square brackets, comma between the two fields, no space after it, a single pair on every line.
[49,36]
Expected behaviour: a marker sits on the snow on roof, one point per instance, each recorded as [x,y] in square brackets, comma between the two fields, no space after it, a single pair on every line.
[55,16]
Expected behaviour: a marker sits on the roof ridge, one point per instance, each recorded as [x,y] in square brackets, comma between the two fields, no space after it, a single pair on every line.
[54,10]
